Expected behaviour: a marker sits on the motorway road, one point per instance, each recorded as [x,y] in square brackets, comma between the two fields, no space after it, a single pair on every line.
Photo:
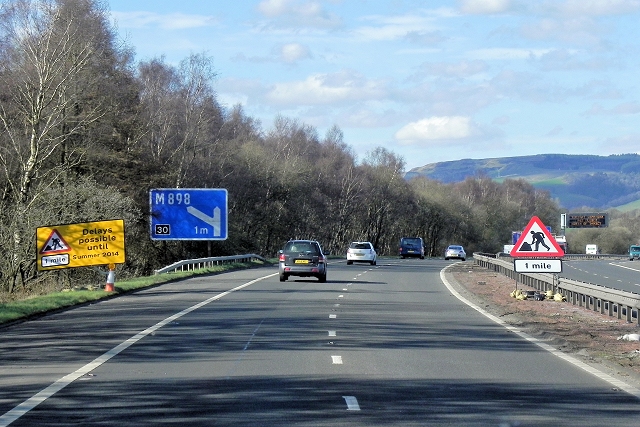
[385,345]
[617,274]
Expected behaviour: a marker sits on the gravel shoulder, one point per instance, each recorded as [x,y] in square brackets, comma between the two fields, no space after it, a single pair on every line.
[586,335]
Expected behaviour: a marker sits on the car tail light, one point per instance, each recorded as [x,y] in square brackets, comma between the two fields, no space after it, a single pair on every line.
[320,260]
[281,257]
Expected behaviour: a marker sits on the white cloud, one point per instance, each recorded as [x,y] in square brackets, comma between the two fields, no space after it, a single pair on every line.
[320,89]
[288,53]
[578,31]
[482,7]
[624,108]
[293,52]
[174,21]
[273,8]
[599,7]
[460,69]
[508,53]
[239,91]
[435,128]
[396,27]
[295,13]
[369,115]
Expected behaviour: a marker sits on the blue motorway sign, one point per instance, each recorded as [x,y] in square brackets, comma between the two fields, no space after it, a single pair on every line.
[188,213]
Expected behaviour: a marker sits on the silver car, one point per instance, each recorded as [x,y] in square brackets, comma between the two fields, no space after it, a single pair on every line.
[302,258]
[361,252]
[455,251]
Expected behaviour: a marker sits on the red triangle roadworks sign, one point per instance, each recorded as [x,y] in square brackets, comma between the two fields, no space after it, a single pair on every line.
[536,241]
[54,244]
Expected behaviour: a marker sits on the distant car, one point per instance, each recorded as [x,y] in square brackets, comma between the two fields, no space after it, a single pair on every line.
[411,247]
[361,252]
[634,252]
[455,251]
[302,258]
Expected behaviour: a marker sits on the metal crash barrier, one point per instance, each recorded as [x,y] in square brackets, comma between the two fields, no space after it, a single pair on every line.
[199,263]
[605,300]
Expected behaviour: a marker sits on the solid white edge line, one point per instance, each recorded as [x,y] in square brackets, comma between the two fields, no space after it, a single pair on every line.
[43,395]
[593,371]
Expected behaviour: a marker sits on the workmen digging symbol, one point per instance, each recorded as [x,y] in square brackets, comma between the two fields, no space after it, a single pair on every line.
[55,244]
[542,243]
[537,240]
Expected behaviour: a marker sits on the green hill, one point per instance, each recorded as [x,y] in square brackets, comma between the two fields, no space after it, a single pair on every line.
[576,181]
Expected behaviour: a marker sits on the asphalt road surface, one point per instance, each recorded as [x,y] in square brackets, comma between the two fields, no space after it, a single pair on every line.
[385,345]
[618,274]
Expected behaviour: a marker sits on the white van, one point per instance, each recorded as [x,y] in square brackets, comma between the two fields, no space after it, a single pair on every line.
[592,250]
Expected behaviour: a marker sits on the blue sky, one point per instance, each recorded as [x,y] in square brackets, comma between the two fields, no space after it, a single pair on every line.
[431,81]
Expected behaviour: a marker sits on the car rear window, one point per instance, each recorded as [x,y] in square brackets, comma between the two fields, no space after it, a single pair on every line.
[301,247]
[455,248]
[356,245]
[409,241]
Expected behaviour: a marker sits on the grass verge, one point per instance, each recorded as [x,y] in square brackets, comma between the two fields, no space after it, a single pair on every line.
[35,306]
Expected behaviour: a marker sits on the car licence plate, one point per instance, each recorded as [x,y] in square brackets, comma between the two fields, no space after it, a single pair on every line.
[302,261]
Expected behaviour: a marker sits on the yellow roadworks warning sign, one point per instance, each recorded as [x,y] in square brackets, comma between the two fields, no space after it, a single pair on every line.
[81,245]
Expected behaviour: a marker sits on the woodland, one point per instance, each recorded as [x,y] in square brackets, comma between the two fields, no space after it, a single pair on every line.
[86,132]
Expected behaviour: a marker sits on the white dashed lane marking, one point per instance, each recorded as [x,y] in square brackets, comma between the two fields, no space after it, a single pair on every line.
[352,403]
[63,382]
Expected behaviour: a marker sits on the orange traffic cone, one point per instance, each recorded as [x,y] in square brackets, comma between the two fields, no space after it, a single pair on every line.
[111,278]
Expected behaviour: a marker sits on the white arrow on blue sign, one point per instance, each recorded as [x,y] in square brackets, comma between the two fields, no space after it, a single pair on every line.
[188,213]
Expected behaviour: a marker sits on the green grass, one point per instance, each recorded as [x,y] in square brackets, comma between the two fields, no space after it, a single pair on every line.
[24,309]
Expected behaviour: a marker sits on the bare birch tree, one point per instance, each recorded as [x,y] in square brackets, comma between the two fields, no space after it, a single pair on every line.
[51,53]
[180,109]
